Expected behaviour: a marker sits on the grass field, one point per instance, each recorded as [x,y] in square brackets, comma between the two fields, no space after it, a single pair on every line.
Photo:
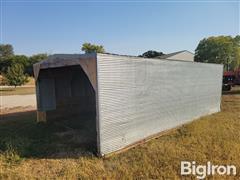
[17,91]
[29,150]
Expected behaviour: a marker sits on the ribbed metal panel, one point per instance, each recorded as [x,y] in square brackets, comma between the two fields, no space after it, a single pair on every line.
[140,97]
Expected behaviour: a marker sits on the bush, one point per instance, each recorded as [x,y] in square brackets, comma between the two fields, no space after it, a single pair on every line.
[15,75]
[3,81]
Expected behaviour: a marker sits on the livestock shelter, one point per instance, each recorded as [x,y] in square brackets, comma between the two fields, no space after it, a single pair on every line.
[128,98]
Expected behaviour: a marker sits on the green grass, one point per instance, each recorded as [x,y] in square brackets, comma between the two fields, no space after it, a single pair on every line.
[29,150]
[17,91]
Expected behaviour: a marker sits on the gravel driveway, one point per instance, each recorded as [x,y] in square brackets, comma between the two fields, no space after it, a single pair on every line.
[13,101]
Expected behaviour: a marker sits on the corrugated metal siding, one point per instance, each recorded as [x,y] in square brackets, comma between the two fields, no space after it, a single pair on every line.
[46,90]
[140,97]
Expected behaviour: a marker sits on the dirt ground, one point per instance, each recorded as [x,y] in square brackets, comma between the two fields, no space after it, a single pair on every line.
[17,103]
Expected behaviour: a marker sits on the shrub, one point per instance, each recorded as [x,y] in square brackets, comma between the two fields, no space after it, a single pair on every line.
[15,75]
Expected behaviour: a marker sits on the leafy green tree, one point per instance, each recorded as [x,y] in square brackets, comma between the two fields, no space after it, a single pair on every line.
[38,57]
[15,75]
[4,64]
[221,49]
[17,59]
[236,52]
[20,59]
[32,60]
[6,52]
[90,48]
[237,40]
[151,54]
[7,59]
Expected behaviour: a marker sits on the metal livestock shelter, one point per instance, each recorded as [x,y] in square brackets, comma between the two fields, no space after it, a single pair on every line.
[129,98]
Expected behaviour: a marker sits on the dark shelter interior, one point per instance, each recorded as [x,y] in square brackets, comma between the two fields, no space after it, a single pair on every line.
[69,100]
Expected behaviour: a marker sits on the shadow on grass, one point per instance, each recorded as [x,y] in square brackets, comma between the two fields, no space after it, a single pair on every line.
[21,134]
[232,92]
[7,89]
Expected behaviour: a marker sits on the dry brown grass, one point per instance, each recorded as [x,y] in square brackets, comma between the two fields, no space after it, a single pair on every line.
[214,138]
[31,81]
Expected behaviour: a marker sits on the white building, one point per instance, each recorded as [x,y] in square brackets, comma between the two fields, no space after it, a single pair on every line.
[180,55]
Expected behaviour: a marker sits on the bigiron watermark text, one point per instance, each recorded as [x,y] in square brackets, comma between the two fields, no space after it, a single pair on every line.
[202,171]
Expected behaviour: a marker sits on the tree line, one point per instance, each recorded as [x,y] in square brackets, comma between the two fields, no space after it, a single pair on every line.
[220,49]
[8,59]
[17,68]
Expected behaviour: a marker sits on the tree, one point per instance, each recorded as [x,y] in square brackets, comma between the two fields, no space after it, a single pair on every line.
[17,59]
[237,40]
[4,64]
[32,60]
[15,75]
[221,49]
[151,54]
[236,55]
[38,57]
[6,52]
[25,61]
[90,48]
[7,59]
[20,59]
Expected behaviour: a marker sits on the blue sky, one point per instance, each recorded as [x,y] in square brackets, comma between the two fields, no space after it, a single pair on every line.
[122,27]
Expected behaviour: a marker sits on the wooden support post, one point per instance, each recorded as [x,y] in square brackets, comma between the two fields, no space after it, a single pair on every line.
[41,116]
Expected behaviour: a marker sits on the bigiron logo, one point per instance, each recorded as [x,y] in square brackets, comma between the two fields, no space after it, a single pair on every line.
[202,171]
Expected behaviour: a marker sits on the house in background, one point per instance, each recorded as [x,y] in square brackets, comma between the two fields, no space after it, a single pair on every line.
[180,55]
